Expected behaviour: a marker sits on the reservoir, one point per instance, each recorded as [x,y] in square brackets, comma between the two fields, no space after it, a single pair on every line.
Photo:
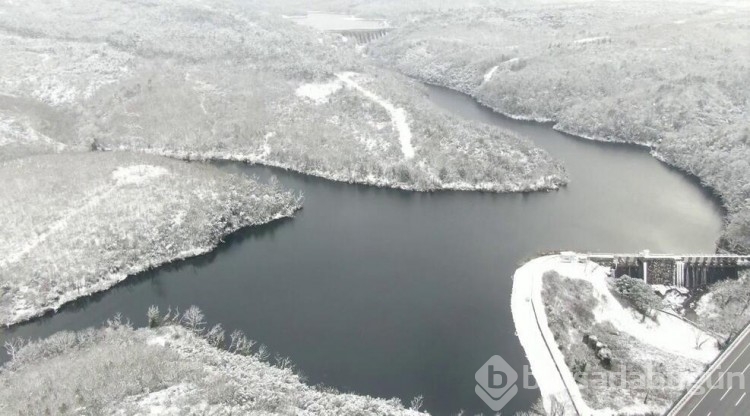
[337,22]
[398,294]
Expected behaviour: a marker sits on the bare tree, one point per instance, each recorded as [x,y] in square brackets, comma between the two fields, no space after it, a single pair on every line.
[194,320]
[117,322]
[263,353]
[417,403]
[239,344]
[154,318]
[13,346]
[215,336]
[284,362]
[700,337]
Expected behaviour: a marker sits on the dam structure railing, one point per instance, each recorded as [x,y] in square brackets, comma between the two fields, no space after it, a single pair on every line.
[680,270]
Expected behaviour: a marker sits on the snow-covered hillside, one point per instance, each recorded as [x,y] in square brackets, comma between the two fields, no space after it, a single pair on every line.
[78,223]
[672,76]
[167,370]
[228,80]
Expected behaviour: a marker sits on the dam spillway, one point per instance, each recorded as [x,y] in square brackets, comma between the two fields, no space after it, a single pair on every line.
[363,35]
[680,270]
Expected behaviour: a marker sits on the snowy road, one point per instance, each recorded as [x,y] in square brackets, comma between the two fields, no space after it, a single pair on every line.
[545,359]
[398,115]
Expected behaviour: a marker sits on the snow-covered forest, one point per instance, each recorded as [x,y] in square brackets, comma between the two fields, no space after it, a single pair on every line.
[725,307]
[78,223]
[177,366]
[673,77]
[226,80]
[111,110]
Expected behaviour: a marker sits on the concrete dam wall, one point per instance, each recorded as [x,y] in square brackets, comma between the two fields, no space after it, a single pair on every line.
[688,270]
[364,35]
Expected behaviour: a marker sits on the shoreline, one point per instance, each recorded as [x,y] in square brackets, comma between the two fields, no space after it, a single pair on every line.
[551,183]
[113,279]
[555,125]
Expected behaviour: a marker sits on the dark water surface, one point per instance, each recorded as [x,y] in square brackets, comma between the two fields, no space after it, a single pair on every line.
[393,293]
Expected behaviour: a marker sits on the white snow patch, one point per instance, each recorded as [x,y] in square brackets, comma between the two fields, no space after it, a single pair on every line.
[490,73]
[511,61]
[398,115]
[136,174]
[169,401]
[318,92]
[706,307]
[160,340]
[668,333]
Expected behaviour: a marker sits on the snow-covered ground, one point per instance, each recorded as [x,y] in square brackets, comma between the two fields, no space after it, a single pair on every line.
[75,224]
[318,92]
[398,114]
[488,75]
[113,77]
[58,73]
[19,137]
[168,370]
[668,333]
[127,175]
[619,50]
[19,131]
[137,174]
[706,307]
